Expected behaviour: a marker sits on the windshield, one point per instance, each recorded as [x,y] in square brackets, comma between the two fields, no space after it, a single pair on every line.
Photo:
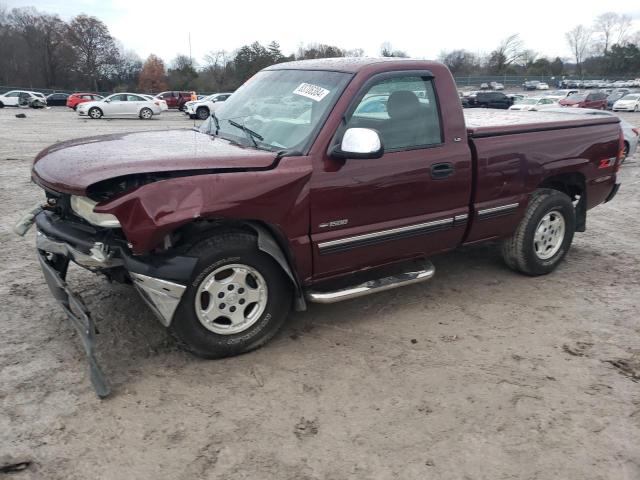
[529,101]
[631,97]
[278,109]
[577,96]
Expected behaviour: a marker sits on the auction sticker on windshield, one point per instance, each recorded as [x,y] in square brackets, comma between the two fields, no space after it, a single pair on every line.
[313,92]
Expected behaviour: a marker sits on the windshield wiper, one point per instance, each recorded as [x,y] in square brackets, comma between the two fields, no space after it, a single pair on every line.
[250,133]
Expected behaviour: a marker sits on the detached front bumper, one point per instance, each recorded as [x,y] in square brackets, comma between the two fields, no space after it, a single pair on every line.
[161,280]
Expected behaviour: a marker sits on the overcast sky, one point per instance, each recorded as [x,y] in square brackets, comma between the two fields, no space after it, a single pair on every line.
[423,29]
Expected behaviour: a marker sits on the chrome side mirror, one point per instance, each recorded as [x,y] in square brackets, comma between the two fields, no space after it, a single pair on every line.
[359,143]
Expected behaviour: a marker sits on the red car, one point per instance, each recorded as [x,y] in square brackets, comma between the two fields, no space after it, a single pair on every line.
[596,100]
[76,99]
[308,188]
[175,99]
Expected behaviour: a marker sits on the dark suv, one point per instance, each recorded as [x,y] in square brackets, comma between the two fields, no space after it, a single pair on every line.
[489,100]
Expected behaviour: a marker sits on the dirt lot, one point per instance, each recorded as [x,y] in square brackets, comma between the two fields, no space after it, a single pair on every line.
[480,374]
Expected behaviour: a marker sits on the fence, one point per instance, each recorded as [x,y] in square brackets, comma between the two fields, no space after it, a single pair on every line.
[518,80]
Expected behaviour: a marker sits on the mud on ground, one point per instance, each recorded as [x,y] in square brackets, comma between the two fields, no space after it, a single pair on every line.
[480,374]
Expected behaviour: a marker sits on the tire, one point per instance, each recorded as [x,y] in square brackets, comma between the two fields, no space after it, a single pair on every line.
[146,114]
[625,151]
[533,251]
[95,113]
[214,336]
[1,105]
[202,113]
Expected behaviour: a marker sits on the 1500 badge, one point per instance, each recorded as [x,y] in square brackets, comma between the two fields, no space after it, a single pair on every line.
[334,223]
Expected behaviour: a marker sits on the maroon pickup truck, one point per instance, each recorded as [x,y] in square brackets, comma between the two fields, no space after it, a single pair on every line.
[317,181]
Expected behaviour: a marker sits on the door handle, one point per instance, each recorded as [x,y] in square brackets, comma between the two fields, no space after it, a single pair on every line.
[441,170]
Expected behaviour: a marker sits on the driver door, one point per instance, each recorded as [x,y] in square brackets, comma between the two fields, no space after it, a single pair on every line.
[411,202]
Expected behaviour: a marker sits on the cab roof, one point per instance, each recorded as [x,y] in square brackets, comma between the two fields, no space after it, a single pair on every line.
[348,64]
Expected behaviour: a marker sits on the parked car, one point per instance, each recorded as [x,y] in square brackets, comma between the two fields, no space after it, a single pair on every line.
[628,103]
[76,99]
[562,93]
[542,86]
[22,98]
[534,104]
[489,100]
[530,85]
[121,105]
[57,99]
[324,196]
[630,132]
[515,97]
[616,95]
[175,99]
[161,103]
[201,109]
[596,100]
[496,86]
[484,86]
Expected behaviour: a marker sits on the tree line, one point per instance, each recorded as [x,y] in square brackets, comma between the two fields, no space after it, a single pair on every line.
[40,50]
[606,49]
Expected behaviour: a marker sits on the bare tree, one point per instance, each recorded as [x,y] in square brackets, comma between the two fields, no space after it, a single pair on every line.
[611,28]
[386,50]
[579,40]
[509,52]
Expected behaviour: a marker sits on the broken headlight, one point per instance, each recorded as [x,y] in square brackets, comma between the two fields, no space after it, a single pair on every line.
[83,207]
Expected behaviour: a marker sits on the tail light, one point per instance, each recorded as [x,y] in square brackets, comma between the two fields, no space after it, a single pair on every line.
[157,103]
[620,155]
[636,131]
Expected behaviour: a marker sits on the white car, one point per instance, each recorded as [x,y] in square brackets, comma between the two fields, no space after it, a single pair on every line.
[120,105]
[542,86]
[158,101]
[535,103]
[201,109]
[23,98]
[629,103]
[560,94]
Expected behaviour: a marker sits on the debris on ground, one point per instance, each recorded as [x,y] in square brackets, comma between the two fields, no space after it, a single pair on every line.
[628,368]
[577,350]
[20,115]
[305,428]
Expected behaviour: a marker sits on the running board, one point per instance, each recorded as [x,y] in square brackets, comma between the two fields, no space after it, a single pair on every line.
[424,272]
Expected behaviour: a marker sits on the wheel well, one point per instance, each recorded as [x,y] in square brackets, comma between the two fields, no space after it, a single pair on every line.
[269,240]
[573,185]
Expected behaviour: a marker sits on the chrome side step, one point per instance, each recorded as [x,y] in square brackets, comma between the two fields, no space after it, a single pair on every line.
[424,273]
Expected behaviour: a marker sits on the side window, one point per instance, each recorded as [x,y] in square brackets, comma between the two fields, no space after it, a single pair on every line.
[119,98]
[134,98]
[403,109]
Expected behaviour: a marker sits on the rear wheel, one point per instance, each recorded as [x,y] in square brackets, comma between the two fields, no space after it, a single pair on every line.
[237,300]
[1,105]
[146,113]
[202,113]
[544,235]
[95,113]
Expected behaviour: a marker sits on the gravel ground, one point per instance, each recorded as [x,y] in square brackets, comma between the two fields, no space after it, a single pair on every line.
[479,374]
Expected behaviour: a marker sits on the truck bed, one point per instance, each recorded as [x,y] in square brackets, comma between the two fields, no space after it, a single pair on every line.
[490,122]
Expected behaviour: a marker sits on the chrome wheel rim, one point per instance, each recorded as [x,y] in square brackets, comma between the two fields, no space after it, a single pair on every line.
[95,113]
[146,114]
[549,235]
[231,299]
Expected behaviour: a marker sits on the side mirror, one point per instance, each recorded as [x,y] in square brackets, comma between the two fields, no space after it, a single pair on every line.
[107,100]
[359,143]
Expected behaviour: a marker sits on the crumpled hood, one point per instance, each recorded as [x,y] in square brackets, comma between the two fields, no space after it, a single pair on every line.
[74,165]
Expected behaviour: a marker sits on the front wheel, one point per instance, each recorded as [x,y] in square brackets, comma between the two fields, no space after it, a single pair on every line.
[202,113]
[237,300]
[544,235]
[95,113]
[146,113]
